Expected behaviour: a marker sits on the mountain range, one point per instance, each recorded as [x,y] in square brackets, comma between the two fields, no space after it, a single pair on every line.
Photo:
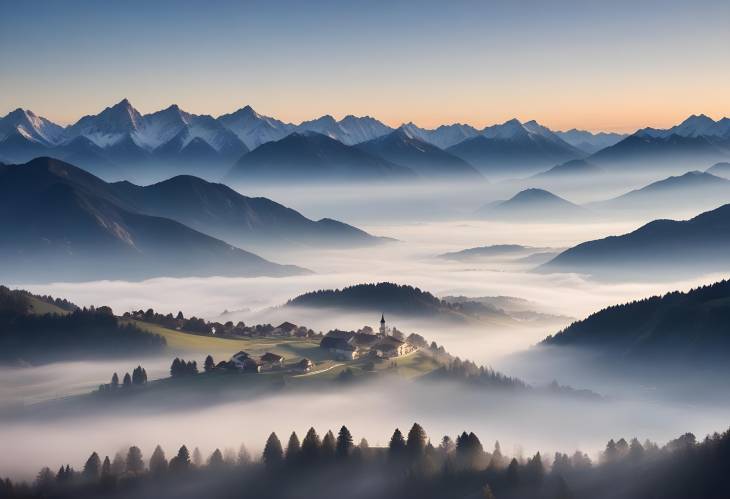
[576,168]
[689,247]
[515,148]
[60,222]
[696,141]
[121,143]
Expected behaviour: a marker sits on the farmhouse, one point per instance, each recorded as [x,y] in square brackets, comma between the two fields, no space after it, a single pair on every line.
[272,361]
[304,366]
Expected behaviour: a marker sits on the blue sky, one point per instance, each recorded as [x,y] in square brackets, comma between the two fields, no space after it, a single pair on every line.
[591,64]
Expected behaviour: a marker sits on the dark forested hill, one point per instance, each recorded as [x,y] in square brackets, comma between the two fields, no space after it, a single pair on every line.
[693,325]
[29,334]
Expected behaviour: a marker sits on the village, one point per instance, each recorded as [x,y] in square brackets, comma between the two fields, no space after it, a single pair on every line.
[387,343]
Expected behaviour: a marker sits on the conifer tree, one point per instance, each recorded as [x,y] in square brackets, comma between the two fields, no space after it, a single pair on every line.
[329,445]
[293,449]
[273,453]
[397,445]
[216,459]
[135,464]
[115,381]
[127,383]
[181,462]
[344,443]
[158,462]
[244,458]
[197,458]
[311,446]
[416,443]
[209,364]
[92,467]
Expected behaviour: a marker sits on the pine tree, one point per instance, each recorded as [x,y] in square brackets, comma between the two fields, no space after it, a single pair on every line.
[197,458]
[135,464]
[416,443]
[311,446]
[44,480]
[127,383]
[273,453]
[344,443]
[175,368]
[328,445]
[106,468]
[181,462]
[216,459]
[92,467]
[293,449]
[513,472]
[397,445]
[158,462]
[244,458]
[118,465]
[209,364]
[115,381]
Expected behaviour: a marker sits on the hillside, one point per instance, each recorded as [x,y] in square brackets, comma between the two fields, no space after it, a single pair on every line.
[689,247]
[695,187]
[313,157]
[63,223]
[533,205]
[221,212]
[402,147]
[388,298]
[37,329]
[692,326]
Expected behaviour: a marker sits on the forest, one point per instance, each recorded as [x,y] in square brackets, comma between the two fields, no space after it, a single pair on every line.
[411,466]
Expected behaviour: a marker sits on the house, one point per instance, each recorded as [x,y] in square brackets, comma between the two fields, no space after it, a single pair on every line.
[244,362]
[304,366]
[272,361]
[389,347]
[340,346]
[285,329]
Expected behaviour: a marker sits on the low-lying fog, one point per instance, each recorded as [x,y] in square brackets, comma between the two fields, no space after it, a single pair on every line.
[533,423]
[522,424]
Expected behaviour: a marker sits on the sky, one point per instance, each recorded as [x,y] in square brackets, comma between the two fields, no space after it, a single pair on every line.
[591,64]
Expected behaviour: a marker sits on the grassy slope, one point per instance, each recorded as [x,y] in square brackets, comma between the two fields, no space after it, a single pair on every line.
[40,307]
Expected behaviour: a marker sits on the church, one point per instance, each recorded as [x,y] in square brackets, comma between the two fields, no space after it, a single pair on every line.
[351,345]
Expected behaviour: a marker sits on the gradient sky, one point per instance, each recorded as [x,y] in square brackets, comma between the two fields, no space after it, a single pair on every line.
[598,65]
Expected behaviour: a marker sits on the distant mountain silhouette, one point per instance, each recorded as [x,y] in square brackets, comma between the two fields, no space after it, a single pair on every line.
[533,205]
[695,186]
[662,329]
[221,212]
[701,244]
[515,148]
[443,136]
[313,157]
[497,250]
[62,223]
[590,142]
[720,169]
[403,148]
[695,141]
[576,168]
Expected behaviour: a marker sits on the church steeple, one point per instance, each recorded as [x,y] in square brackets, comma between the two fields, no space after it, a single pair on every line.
[382,324]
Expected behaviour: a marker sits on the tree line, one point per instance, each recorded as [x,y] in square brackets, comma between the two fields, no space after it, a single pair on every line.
[410,466]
